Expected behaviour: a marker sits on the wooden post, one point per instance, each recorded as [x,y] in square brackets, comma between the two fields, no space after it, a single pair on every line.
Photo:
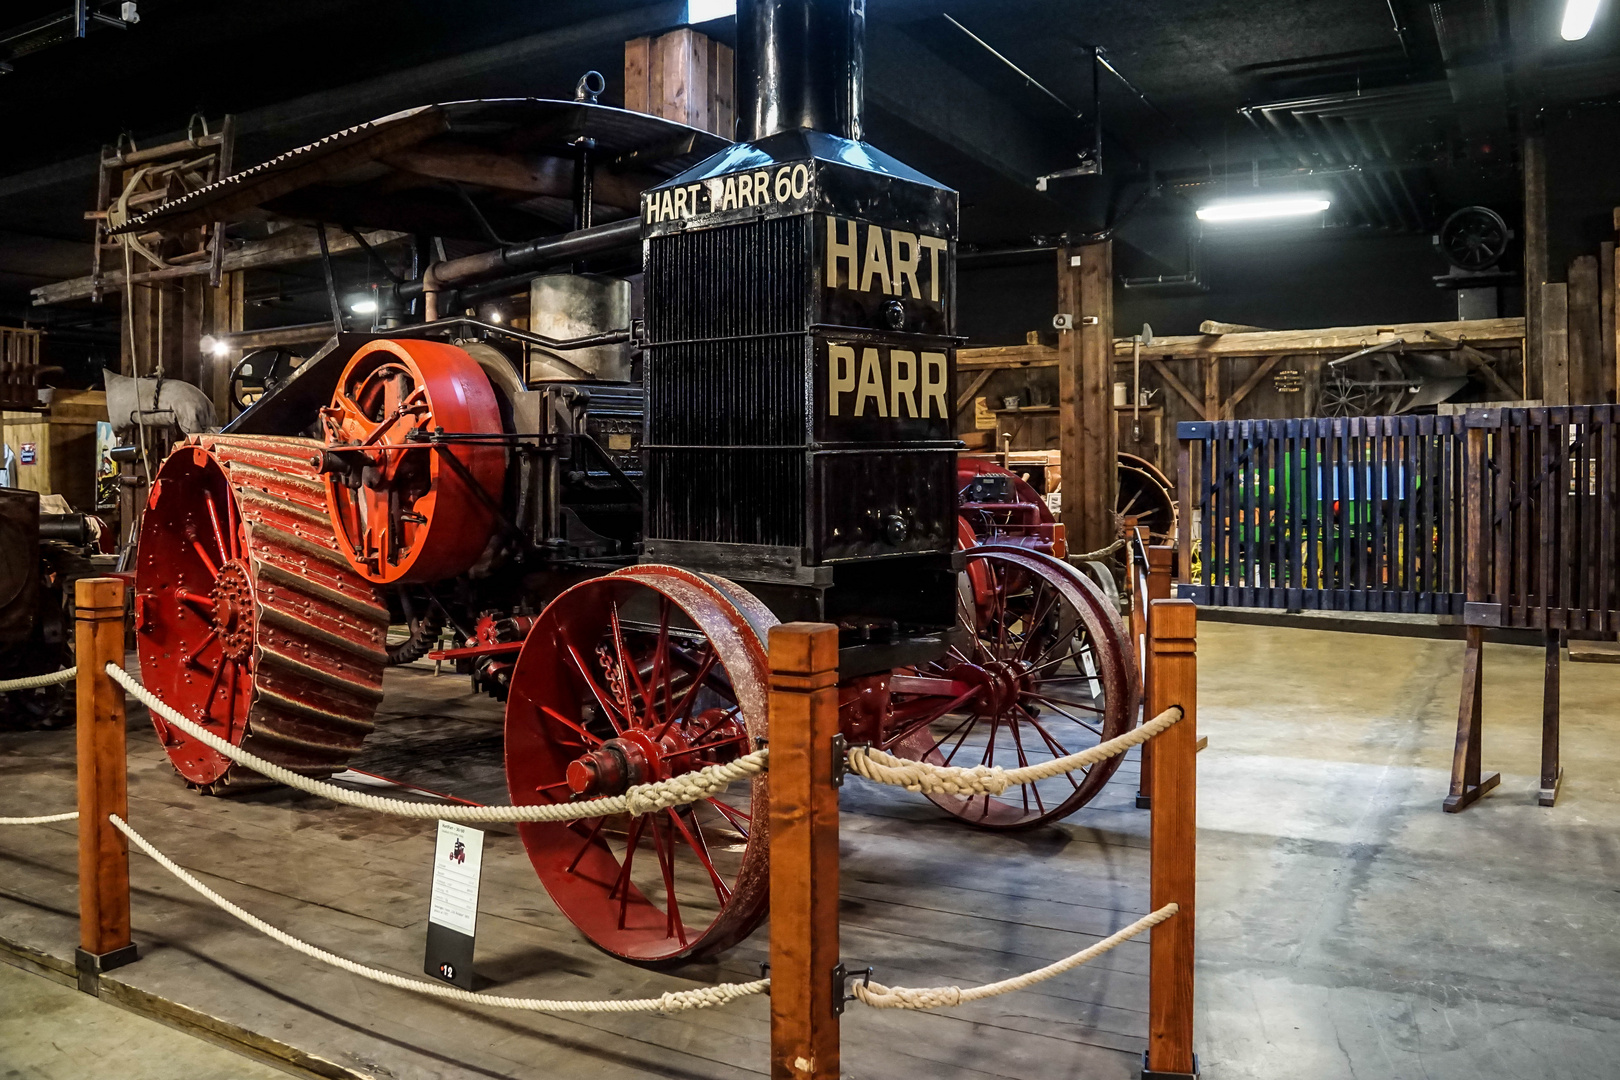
[1158,588]
[1555,382]
[1086,428]
[1535,259]
[104,941]
[1466,784]
[1552,773]
[806,996]
[1584,338]
[1173,628]
[683,76]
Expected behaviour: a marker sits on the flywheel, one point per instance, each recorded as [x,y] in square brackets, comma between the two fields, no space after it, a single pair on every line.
[417,445]
[249,619]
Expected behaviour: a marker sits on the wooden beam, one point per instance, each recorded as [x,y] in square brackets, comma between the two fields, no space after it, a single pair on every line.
[1534,158]
[1330,339]
[1173,630]
[297,244]
[804,852]
[104,940]
[1585,322]
[1000,357]
[1555,382]
[1086,430]
[1212,387]
[1177,385]
[1229,409]
[973,388]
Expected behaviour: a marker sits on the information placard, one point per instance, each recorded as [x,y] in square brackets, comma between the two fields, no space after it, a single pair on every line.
[458,859]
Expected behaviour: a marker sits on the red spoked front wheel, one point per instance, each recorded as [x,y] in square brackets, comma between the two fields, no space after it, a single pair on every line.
[635,677]
[1046,672]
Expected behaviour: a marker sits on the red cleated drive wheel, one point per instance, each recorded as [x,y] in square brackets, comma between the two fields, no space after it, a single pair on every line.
[635,677]
[249,620]
[408,509]
[1050,673]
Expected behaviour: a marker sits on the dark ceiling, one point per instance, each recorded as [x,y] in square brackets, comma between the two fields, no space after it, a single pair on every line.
[1403,110]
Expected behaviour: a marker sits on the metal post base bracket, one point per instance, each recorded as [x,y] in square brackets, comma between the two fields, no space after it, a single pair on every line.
[1149,1074]
[1144,802]
[91,966]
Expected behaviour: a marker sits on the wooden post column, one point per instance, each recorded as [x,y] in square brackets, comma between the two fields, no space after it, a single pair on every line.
[1173,632]
[104,941]
[1086,430]
[1552,772]
[806,998]
[1158,588]
[1467,785]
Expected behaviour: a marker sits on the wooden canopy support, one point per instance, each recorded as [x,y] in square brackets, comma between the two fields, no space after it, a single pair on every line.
[683,76]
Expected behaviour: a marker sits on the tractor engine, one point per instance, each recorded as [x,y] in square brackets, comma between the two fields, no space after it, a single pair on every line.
[799,359]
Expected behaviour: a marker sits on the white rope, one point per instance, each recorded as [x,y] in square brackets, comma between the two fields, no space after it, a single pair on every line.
[701,998]
[644,799]
[935,997]
[46,820]
[931,779]
[33,682]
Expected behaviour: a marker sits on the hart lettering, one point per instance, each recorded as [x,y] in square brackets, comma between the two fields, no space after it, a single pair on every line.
[870,258]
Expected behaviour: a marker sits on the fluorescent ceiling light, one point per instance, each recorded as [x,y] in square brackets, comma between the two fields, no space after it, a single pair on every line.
[364,307]
[1578,16]
[702,11]
[1269,206]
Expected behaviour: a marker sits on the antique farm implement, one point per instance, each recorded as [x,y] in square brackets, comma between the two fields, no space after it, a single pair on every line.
[611,553]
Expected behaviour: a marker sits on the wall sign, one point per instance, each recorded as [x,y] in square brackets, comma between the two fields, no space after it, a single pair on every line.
[30,453]
[458,859]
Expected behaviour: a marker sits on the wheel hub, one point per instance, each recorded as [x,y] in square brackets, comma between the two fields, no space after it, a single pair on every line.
[1001,683]
[640,756]
[233,610]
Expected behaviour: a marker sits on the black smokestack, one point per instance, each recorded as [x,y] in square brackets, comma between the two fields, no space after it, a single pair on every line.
[800,64]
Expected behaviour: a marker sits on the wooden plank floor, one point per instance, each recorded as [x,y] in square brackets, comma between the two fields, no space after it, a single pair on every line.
[925,900]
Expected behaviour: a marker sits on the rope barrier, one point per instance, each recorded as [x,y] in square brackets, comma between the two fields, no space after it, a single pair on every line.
[643,799]
[920,776]
[45,820]
[1101,553]
[674,1001]
[944,997]
[34,682]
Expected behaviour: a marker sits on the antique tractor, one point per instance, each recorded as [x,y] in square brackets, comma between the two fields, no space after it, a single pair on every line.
[612,555]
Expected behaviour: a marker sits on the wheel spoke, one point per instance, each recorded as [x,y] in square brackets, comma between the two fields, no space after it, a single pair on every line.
[596,691]
[202,553]
[691,692]
[1059,709]
[561,719]
[230,704]
[622,885]
[191,658]
[219,533]
[1055,747]
[673,926]
[1023,760]
[700,848]
[590,838]
[630,669]
[740,821]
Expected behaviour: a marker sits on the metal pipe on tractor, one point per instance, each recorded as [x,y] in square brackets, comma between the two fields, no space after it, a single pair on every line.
[612,554]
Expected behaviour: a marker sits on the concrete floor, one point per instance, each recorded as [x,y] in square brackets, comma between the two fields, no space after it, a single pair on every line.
[53,1032]
[1347,927]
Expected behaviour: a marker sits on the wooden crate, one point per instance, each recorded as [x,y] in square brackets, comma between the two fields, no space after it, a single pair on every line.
[64,446]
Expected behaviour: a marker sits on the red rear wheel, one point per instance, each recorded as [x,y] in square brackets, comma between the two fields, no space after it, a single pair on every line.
[644,674]
[1055,675]
[249,620]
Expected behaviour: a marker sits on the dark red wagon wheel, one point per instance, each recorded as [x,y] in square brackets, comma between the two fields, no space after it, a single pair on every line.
[644,674]
[1054,674]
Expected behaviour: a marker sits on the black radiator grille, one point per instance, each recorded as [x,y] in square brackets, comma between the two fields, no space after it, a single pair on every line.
[732,392]
[733,281]
[727,496]
[857,493]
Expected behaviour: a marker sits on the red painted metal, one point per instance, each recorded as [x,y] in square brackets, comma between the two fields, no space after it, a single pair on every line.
[250,620]
[1027,522]
[1047,673]
[646,673]
[416,516]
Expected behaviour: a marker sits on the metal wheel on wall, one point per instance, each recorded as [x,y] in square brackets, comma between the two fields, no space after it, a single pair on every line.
[644,674]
